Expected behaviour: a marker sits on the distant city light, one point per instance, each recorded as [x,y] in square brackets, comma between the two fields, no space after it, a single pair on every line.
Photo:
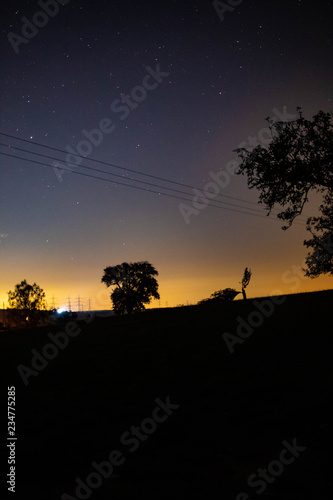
[61,310]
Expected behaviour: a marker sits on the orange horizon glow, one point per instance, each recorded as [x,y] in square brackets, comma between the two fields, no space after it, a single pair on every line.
[196,260]
[179,292]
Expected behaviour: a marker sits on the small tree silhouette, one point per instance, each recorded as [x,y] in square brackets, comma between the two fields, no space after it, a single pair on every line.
[29,301]
[245,281]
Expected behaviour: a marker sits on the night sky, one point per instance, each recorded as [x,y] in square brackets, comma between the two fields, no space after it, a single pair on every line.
[210,84]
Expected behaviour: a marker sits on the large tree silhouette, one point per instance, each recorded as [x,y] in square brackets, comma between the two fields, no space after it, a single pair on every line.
[29,299]
[297,161]
[135,285]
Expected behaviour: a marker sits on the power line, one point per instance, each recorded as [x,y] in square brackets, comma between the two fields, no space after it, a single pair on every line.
[122,177]
[111,165]
[122,168]
[147,190]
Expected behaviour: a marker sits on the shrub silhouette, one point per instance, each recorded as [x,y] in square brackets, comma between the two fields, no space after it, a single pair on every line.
[225,295]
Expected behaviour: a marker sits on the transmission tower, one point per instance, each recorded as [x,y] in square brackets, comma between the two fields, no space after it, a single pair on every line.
[79,303]
[54,302]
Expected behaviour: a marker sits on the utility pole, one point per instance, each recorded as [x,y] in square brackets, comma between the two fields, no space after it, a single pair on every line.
[69,305]
[89,307]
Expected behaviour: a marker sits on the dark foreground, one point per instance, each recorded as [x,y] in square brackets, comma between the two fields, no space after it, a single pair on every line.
[237,412]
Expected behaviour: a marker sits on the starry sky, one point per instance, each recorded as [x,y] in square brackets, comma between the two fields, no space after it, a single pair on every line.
[172,88]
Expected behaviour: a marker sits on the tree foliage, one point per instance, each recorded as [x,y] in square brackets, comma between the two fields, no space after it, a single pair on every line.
[297,161]
[320,261]
[135,285]
[27,298]
[246,277]
[245,281]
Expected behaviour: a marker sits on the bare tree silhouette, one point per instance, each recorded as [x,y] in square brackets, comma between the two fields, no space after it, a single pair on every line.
[245,281]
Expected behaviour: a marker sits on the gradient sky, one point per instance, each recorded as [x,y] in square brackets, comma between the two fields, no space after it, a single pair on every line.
[222,78]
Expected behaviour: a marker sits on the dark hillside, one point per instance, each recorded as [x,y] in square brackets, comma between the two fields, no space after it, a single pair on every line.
[235,410]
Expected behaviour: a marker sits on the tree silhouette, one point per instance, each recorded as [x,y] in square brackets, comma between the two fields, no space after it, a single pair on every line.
[320,261]
[297,160]
[245,281]
[135,285]
[29,299]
